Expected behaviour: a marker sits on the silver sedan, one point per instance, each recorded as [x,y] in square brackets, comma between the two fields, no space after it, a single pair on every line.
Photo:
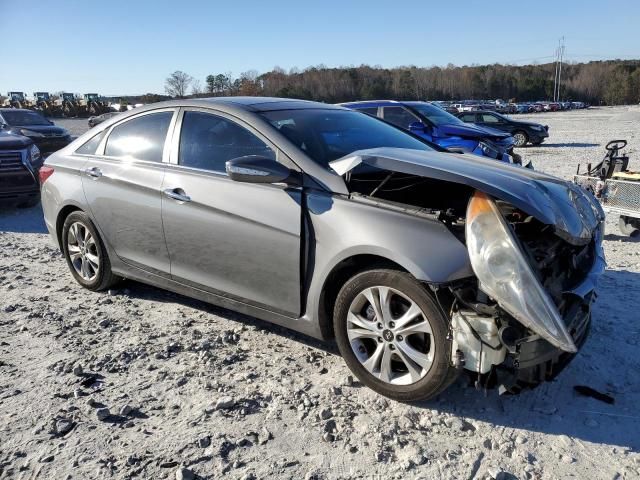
[418,262]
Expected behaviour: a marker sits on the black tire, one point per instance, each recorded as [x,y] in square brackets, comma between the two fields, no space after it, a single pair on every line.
[104,277]
[629,226]
[440,374]
[521,138]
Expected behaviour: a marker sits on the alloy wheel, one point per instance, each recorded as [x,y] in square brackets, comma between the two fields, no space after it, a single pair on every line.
[390,335]
[83,251]
[520,139]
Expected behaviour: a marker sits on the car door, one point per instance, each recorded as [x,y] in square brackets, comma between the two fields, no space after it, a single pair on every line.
[234,239]
[403,118]
[122,186]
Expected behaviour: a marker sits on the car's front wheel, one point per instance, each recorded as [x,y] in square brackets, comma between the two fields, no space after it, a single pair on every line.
[85,253]
[393,336]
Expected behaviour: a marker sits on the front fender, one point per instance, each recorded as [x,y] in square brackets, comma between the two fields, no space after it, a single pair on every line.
[342,228]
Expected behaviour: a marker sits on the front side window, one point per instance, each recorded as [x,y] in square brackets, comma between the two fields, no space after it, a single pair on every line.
[141,138]
[487,118]
[326,135]
[469,117]
[207,141]
[435,115]
[398,116]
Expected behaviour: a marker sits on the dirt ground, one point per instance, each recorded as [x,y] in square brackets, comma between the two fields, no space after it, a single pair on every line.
[142,383]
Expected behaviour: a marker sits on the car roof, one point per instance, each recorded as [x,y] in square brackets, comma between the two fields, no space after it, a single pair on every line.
[263,104]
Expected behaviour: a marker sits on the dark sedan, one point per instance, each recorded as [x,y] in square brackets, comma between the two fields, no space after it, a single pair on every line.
[47,136]
[522,132]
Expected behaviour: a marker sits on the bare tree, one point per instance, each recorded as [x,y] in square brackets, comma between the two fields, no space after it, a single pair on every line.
[178,83]
[196,87]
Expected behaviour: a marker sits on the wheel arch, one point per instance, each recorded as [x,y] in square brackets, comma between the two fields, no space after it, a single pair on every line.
[61,217]
[337,277]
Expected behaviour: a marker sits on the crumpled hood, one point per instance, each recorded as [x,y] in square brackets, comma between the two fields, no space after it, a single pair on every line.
[10,141]
[574,213]
[469,130]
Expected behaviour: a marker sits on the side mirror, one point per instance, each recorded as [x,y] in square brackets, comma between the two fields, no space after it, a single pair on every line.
[257,169]
[3,126]
[417,126]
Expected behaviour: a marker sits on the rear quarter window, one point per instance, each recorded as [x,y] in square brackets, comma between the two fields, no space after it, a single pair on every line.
[91,145]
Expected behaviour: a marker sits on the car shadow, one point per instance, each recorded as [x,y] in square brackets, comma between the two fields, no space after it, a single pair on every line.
[607,362]
[146,292]
[613,237]
[562,145]
[21,220]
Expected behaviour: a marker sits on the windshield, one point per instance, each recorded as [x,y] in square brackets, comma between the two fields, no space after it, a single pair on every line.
[434,114]
[326,135]
[21,119]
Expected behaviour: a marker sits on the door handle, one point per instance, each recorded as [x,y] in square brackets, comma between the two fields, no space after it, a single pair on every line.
[94,172]
[177,194]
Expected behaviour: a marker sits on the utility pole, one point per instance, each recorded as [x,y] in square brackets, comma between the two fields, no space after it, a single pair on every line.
[558,75]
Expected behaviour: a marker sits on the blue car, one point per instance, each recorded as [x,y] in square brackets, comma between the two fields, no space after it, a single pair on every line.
[440,127]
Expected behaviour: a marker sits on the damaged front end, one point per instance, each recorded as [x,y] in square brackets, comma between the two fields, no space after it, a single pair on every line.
[540,284]
[534,244]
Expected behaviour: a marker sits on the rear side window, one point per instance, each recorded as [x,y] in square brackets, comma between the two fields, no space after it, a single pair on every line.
[207,141]
[141,138]
[90,146]
[468,117]
[398,116]
[373,111]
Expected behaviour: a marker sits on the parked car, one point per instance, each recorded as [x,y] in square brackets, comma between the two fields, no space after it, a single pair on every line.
[340,226]
[93,121]
[440,127]
[522,132]
[44,133]
[20,162]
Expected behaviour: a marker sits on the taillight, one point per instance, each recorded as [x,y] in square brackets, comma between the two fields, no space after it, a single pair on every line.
[44,173]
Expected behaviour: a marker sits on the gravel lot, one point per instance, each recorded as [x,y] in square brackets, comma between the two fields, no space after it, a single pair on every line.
[141,383]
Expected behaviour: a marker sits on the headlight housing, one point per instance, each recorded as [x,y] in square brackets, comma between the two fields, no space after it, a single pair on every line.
[30,133]
[507,277]
[489,150]
[537,128]
[34,154]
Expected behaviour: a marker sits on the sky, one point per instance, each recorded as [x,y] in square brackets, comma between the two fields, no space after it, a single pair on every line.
[122,47]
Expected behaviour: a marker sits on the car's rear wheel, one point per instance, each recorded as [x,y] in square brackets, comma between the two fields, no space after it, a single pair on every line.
[629,226]
[393,336]
[520,138]
[85,253]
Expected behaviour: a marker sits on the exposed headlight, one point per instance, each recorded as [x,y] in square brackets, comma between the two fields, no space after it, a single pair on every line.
[34,154]
[505,275]
[30,133]
[489,150]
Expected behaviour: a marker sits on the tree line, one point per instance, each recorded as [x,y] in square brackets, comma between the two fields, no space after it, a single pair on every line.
[611,82]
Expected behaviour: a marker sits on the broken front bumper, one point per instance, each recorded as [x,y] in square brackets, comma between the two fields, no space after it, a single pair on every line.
[536,360]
